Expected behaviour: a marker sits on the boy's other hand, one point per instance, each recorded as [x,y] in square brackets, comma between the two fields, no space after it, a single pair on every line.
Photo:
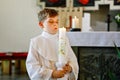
[67,68]
[58,74]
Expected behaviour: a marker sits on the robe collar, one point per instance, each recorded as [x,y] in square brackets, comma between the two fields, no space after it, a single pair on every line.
[48,35]
[47,54]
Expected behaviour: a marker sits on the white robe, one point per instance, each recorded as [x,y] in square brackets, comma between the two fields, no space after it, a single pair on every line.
[43,55]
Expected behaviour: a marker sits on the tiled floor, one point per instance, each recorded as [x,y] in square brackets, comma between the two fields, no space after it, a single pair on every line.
[14,75]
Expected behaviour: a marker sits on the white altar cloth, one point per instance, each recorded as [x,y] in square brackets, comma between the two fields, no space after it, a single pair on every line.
[94,39]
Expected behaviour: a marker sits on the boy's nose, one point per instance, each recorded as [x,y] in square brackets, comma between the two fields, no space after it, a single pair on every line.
[55,24]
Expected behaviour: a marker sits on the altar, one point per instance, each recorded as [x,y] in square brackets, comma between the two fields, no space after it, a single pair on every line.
[94,50]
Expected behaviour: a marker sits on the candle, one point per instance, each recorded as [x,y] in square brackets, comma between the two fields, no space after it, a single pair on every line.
[75,22]
[62,43]
[62,58]
[86,23]
[87,19]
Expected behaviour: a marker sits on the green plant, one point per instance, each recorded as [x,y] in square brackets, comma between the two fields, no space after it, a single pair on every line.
[117,18]
[100,67]
[117,50]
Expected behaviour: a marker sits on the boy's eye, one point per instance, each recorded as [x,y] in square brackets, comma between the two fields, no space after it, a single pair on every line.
[51,21]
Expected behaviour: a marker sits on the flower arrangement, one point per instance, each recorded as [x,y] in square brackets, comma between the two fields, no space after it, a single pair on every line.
[117,19]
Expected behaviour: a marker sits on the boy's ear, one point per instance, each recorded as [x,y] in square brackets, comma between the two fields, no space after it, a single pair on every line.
[41,24]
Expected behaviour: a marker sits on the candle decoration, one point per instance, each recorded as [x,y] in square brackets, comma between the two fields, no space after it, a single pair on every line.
[62,43]
[62,58]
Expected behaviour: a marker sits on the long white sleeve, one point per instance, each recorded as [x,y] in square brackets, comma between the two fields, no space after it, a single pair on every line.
[73,63]
[34,66]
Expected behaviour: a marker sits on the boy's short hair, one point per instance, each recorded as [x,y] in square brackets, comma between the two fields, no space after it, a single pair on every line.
[42,15]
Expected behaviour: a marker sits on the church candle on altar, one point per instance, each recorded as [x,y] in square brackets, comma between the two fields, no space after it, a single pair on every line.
[62,41]
[75,22]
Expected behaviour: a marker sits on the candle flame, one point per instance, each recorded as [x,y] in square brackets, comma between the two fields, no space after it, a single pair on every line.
[75,17]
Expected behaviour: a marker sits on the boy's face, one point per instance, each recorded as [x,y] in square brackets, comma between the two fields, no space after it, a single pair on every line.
[50,25]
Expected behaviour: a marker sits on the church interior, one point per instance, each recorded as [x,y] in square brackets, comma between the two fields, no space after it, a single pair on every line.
[92,26]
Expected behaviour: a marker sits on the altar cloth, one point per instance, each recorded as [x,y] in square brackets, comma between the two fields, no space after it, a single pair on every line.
[94,39]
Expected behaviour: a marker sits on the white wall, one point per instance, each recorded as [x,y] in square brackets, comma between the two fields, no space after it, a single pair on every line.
[18,24]
[99,17]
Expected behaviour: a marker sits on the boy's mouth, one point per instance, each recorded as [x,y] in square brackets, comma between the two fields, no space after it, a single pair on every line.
[55,28]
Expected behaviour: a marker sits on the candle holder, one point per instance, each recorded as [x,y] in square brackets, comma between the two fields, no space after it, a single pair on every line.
[75,29]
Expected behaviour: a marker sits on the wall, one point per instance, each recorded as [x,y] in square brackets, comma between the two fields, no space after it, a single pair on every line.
[18,24]
[99,17]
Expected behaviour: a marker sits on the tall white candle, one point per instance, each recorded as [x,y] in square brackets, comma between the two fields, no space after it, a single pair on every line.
[62,42]
[62,59]
[75,22]
[87,17]
[86,23]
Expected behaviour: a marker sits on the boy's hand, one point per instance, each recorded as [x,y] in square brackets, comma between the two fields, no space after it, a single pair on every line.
[67,68]
[58,74]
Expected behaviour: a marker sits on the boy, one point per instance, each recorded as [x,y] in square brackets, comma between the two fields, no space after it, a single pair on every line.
[43,51]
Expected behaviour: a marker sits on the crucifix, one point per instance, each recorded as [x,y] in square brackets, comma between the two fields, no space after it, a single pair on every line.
[108,22]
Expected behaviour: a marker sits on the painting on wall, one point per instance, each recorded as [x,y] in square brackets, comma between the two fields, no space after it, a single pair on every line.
[54,3]
[78,3]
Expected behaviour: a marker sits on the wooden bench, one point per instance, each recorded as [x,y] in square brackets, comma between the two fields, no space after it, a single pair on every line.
[6,59]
